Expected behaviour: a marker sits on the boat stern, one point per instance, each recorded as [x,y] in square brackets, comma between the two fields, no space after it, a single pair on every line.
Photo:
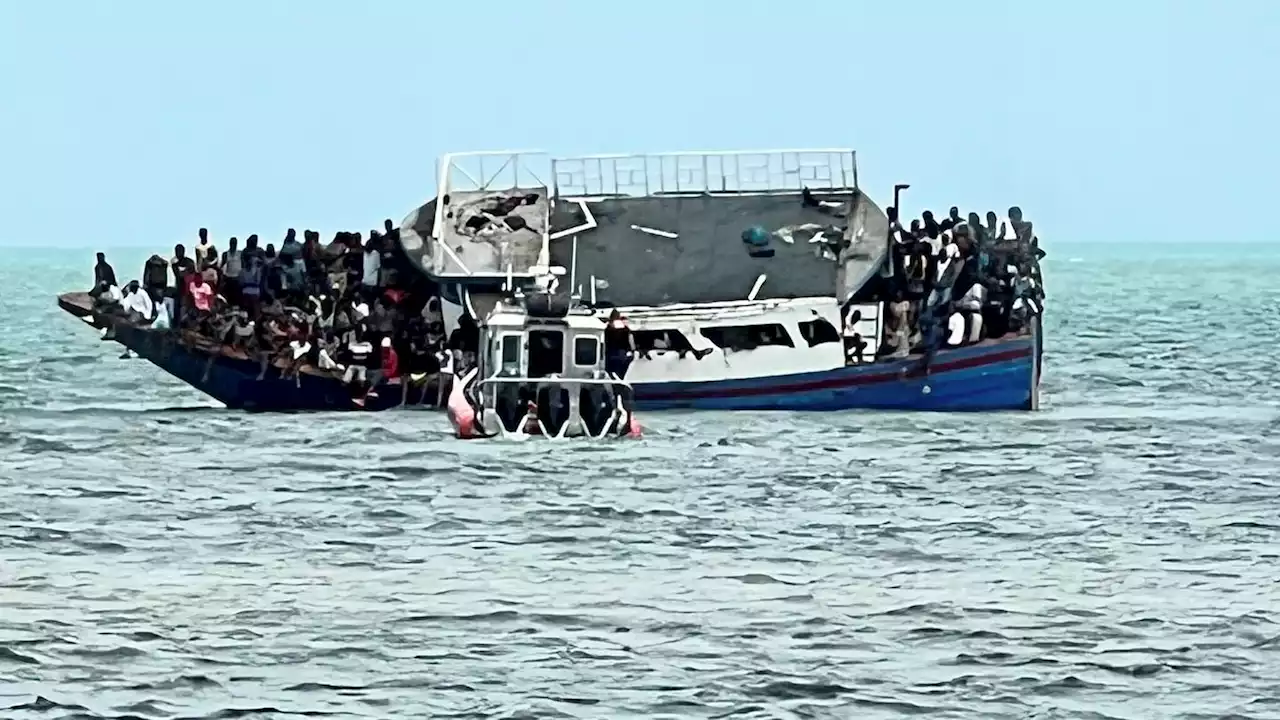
[519,408]
[541,372]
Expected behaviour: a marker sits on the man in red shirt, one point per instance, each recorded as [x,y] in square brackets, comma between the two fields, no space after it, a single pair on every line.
[390,361]
[390,371]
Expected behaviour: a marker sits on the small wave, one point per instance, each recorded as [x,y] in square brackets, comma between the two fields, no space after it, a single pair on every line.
[43,704]
[180,682]
[1065,685]
[256,712]
[107,654]
[761,579]
[8,655]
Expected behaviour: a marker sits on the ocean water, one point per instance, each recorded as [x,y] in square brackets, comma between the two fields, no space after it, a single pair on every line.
[1112,556]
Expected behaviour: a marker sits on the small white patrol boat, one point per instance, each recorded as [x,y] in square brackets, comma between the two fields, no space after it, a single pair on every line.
[540,372]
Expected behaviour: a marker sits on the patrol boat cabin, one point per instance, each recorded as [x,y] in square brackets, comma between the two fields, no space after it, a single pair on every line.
[541,372]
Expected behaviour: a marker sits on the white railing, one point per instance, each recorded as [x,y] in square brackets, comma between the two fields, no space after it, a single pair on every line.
[494,170]
[751,171]
[547,380]
[569,384]
[490,170]
[729,309]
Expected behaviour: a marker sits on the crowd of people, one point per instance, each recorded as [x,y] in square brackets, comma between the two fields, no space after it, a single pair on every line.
[355,310]
[957,281]
[350,308]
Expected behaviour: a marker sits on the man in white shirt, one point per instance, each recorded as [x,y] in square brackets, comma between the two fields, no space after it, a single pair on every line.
[137,304]
[372,261]
[106,299]
[206,253]
[359,350]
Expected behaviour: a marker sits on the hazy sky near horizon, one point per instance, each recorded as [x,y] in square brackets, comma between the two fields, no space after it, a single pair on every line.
[134,123]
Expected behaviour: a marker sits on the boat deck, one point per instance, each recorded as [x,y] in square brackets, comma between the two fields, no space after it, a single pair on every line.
[654,229]
[485,232]
[662,250]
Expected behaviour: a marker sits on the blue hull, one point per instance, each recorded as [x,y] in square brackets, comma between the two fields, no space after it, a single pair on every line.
[235,382]
[996,375]
[1000,375]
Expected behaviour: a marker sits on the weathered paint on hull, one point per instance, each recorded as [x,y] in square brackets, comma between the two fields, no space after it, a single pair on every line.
[1000,375]
[235,382]
[995,376]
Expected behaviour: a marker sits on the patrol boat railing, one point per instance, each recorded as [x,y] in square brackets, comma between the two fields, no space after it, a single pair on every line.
[617,423]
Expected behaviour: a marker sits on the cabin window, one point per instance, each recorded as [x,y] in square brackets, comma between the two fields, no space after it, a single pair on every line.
[586,351]
[546,353]
[511,354]
[819,331]
[648,341]
[748,337]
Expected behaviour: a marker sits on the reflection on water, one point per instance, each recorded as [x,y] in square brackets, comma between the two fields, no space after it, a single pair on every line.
[1111,556]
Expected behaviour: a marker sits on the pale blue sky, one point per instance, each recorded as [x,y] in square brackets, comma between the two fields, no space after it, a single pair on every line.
[135,122]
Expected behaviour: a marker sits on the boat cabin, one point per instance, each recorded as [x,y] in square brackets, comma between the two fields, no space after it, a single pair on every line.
[749,339]
[516,345]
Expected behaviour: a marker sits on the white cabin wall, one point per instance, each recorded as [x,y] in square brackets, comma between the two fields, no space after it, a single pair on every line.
[767,361]
[667,366]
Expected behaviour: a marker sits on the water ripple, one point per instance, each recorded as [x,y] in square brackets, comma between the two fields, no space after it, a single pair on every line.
[1110,557]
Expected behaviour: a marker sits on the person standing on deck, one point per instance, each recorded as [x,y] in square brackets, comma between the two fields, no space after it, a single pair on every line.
[293,279]
[313,262]
[358,352]
[1028,250]
[377,319]
[252,272]
[103,274]
[231,266]
[290,247]
[931,228]
[272,281]
[372,265]
[251,250]
[180,264]
[187,291]
[206,253]
[619,345]
[465,342]
[155,276]
[897,343]
[389,364]
[182,267]
[353,260]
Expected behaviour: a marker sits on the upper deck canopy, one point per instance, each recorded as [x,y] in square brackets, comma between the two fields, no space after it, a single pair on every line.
[653,229]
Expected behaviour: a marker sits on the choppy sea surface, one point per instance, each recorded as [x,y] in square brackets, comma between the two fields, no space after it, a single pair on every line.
[1112,556]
